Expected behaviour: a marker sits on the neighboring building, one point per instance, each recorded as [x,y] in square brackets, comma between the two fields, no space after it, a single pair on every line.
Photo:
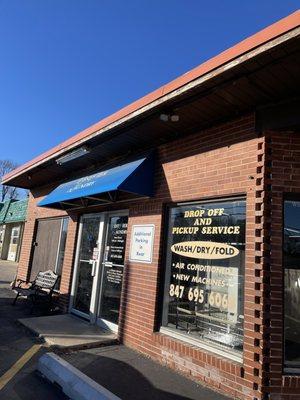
[12,219]
[175,221]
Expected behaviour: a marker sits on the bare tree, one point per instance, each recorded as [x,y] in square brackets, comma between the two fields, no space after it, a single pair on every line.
[7,192]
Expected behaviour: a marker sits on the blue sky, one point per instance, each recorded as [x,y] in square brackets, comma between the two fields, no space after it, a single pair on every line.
[66,64]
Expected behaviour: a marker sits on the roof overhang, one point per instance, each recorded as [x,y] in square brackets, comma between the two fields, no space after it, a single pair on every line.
[226,85]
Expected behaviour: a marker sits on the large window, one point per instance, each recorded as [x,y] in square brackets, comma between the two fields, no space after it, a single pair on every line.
[291,261]
[204,281]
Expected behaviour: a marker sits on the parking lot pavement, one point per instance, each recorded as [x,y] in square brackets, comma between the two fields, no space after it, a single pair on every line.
[8,272]
[137,376]
[14,343]
[133,376]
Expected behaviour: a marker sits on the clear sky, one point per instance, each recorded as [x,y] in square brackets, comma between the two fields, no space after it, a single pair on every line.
[65,64]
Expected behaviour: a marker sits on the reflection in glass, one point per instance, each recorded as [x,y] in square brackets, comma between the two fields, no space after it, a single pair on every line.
[62,245]
[89,241]
[291,257]
[204,295]
[113,267]
[15,235]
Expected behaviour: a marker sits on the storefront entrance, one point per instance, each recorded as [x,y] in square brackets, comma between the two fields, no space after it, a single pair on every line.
[14,241]
[99,265]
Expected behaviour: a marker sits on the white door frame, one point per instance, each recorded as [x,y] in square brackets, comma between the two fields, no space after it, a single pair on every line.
[12,255]
[97,286]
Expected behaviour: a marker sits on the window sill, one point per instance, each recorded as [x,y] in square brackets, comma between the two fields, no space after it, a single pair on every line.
[291,371]
[233,356]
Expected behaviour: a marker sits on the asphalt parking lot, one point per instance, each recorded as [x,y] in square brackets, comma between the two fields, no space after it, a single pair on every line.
[20,350]
[17,382]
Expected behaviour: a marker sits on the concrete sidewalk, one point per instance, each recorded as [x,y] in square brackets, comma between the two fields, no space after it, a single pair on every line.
[132,376]
[68,331]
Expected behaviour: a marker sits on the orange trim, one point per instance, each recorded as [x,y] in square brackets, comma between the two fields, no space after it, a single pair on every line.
[278,28]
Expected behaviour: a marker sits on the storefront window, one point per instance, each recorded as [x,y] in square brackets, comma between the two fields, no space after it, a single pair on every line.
[204,282]
[291,261]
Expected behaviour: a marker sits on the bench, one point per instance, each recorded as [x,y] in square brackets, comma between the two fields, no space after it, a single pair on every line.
[40,290]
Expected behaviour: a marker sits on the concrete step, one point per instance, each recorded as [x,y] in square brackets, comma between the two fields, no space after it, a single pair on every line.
[68,331]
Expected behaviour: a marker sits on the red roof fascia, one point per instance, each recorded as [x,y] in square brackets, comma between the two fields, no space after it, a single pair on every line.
[278,28]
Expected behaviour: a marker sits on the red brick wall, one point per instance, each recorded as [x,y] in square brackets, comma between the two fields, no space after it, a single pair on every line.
[226,160]
[284,168]
[214,163]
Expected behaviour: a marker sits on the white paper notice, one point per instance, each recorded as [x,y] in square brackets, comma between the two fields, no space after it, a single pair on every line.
[141,247]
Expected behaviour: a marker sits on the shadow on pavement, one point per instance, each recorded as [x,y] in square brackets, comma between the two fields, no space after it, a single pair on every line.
[127,382]
[14,343]
[27,385]
[13,340]
[132,376]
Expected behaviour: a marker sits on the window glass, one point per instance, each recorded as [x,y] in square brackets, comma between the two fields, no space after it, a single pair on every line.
[113,267]
[291,260]
[62,245]
[15,235]
[204,283]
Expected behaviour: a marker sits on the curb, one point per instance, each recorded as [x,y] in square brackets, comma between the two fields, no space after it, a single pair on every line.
[75,384]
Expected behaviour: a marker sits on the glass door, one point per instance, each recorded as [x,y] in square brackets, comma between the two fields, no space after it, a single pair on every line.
[112,269]
[13,245]
[84,288]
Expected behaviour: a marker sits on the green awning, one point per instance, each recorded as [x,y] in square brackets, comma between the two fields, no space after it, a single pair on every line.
[13,211]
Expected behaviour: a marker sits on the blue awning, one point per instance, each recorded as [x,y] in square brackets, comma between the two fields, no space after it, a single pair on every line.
[127,181]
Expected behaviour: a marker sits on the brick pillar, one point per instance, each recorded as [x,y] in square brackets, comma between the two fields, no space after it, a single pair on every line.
[262,270]
[256,309]
[285,164]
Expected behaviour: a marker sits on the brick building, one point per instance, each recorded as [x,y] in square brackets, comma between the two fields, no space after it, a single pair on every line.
[175,221]
[12,220]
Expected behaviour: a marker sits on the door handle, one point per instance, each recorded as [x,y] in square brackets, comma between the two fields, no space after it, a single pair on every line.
[93,268]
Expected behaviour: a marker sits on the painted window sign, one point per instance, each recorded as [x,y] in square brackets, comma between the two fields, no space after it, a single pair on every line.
[115,247]
[142,243]
[205,271]
[113,267]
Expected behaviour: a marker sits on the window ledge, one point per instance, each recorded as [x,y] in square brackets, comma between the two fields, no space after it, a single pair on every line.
[204,346]
[291,371]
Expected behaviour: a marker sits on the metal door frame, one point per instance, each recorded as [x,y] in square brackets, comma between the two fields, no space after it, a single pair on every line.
[92,315]
[97,286]
[103,323]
